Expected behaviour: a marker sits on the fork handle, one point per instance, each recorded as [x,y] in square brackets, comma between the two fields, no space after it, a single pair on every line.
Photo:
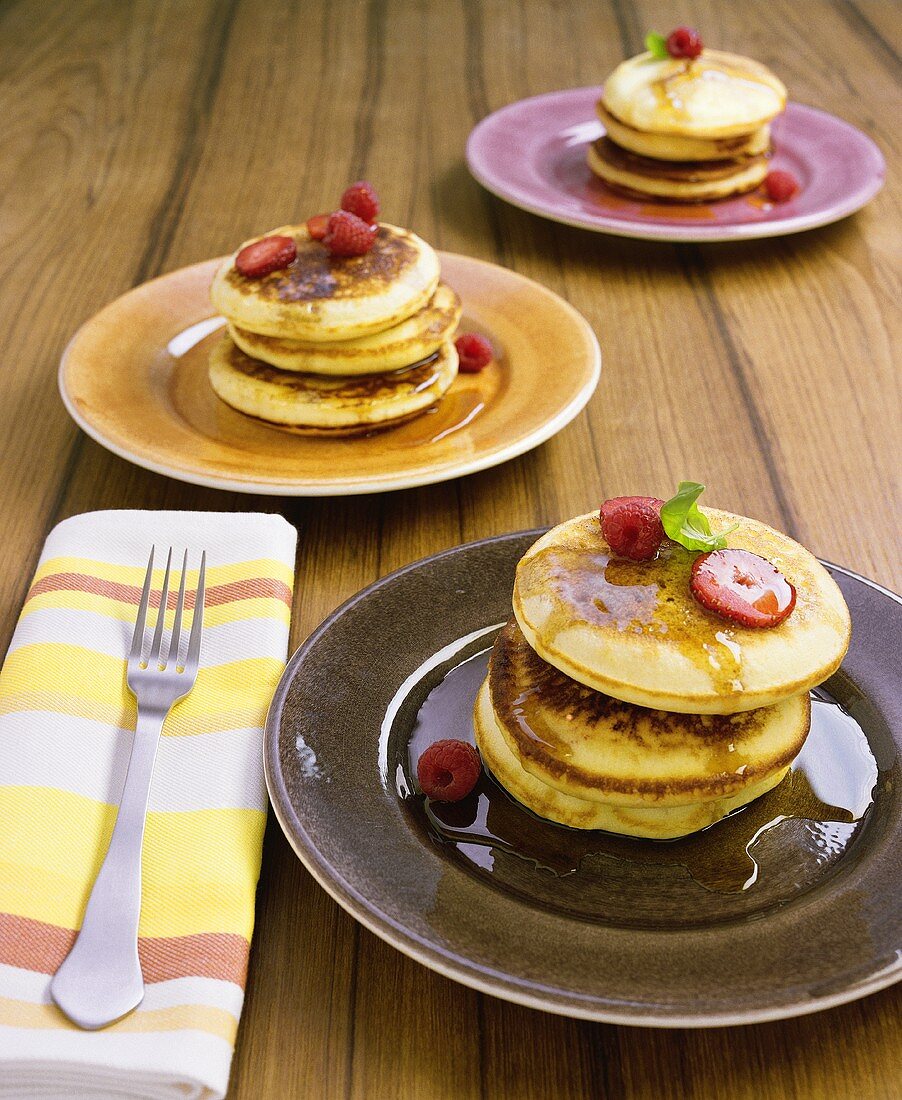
[100,979]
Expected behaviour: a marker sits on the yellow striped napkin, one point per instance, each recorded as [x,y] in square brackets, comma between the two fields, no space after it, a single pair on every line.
[66,718]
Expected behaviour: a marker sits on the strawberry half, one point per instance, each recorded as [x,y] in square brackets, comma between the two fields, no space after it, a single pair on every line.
[265,256]
[742,587]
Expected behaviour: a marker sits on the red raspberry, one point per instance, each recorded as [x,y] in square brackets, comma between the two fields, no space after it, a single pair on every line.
[448,770]
[474,352]
[361,199]
[684,42]
[265,256]
[632,526]
[780,186]
[742,587]
[348,235]
[317,226]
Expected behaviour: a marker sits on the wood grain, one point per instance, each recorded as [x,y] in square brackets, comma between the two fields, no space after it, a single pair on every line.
[142,136]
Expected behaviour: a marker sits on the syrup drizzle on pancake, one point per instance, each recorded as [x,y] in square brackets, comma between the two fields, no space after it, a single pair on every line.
[553,708]
[645,598]
[668,90]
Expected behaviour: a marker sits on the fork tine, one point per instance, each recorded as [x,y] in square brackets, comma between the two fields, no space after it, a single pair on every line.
[154,655]
[193,658]
[138,636]
[173,654]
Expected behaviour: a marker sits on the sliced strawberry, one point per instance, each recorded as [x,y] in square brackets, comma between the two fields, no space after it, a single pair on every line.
[742,587]
[265,256]
[317,226]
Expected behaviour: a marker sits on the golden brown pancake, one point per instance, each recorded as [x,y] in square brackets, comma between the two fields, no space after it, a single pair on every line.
[652,821]
[412,340]
[633,630]
[327,403]
[671,180]
[320,298]
[678,147]
[715,95]
[594,747]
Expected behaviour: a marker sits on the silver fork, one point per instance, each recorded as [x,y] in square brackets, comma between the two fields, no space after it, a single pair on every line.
[100,979]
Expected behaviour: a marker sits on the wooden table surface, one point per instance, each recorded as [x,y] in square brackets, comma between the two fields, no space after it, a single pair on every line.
[139,137]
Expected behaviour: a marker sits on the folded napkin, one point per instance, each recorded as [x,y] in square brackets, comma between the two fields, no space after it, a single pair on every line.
[66,718]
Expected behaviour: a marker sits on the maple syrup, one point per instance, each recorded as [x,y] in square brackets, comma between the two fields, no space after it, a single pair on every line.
[759,857]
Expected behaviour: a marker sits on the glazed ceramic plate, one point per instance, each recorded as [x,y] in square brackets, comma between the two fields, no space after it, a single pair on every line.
[134,378]
[630,938]
[533,154]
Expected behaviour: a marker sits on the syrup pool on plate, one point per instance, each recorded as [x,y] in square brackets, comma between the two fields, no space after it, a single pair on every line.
[777,848]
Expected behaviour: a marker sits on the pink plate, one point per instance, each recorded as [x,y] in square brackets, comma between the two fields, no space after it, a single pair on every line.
[533,154]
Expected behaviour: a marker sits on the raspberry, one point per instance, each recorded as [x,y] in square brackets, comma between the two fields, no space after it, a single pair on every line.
[348,235]
[361,199]
[684,42]
[632,526]
[742,587]
[474,352]
[317,226]
[780,186]
[448,770]
[265,256]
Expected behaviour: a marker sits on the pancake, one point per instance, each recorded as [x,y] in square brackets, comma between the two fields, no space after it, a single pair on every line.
[717,95]
[674,181]
[408,342]
[322,298]
[677,147]
[325,404]
[633,630]
[656,822]
[355,431]
[594,747]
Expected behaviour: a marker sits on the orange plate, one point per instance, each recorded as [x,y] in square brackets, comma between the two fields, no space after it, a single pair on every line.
[134,377]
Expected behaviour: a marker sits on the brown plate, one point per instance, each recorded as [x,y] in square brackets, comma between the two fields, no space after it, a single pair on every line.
[584,924]
[134,377]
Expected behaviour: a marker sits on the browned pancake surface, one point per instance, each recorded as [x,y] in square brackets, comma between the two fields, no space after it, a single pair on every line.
[546,715]
[728,146]
[316,274]
[348,389]
[438,321]
[681,171]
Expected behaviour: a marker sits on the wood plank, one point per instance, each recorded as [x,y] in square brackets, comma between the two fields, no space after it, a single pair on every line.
[81,103]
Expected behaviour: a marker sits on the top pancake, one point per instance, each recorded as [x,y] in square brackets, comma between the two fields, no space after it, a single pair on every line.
[320,298]
[717,95]
[634,631]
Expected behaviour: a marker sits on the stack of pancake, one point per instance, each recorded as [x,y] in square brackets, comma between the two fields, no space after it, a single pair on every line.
[684,130]
[615,701]
[334,345]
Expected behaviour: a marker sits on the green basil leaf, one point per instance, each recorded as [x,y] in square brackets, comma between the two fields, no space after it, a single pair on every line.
[685,523]
[656,44]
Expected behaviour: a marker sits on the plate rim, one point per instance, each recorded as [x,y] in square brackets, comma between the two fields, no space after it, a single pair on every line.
[680,234]
[382,484]
[504,986]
